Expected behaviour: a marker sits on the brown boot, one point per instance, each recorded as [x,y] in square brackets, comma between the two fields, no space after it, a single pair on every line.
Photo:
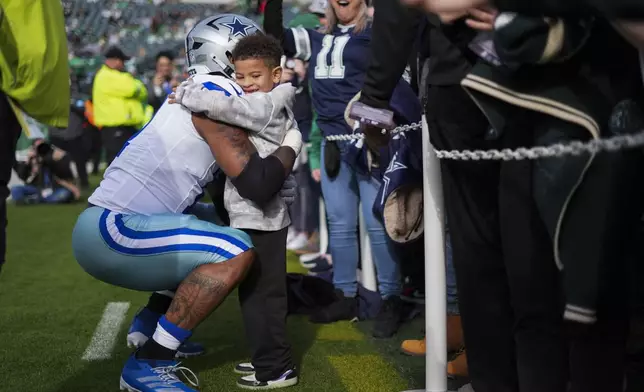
[457,367]
[454,333]
[415,348]
[454,339]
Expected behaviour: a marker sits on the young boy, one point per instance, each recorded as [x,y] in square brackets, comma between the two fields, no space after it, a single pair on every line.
[264,109]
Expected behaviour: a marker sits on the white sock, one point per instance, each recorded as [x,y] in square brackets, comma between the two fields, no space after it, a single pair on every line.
[165,339]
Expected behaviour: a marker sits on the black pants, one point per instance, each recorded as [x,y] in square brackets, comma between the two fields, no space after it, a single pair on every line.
[9,133]
[510,293]
[78,148]
[114,139]
[264,305]
[508,284]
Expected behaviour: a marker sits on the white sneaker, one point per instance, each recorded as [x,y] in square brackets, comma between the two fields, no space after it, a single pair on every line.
[287,379]
[245,368]
[300,241]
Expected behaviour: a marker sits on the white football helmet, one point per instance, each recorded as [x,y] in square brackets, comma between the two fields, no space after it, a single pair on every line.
[210,43]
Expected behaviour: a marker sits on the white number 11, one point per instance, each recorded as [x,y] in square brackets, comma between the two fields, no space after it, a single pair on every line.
[336,70]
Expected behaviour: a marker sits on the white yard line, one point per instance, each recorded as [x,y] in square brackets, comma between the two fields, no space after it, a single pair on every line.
[106,332]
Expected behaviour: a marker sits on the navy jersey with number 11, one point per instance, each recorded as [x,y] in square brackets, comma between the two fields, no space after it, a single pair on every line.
[337,66]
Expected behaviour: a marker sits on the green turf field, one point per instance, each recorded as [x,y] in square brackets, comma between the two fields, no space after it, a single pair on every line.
[50,308]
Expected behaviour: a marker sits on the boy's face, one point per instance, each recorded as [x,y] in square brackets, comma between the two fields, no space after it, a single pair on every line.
[254,75]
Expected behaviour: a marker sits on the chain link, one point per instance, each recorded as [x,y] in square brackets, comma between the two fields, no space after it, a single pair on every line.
[575,148]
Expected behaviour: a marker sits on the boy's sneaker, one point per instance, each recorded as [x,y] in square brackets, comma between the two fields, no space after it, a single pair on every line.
[289,378]
[140,375]
[143,327]
[245,368]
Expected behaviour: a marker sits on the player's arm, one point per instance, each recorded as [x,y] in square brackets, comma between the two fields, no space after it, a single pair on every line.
[256,179]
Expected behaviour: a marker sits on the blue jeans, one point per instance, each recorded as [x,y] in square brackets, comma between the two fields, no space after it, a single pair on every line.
[342,196]
[23,192]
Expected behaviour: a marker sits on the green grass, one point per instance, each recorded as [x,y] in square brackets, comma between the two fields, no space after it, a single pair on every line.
[49,308]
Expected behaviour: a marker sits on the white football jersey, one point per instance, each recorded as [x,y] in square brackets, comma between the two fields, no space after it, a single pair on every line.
[164,167]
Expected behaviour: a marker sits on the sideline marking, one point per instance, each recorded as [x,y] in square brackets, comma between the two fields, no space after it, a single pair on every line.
[106,332]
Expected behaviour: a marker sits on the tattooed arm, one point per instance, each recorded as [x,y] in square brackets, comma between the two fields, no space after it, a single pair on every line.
[255,178]
[230,145]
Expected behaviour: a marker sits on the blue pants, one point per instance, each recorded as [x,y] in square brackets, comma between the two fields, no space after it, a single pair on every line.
[23,193]
[342,195]
[150,253]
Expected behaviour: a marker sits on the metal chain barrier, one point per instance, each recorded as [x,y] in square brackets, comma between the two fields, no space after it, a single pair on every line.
[576,148]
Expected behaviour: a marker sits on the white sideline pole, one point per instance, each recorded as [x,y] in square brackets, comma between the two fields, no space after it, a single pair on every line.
[435,295]
[367,272]
[323,231]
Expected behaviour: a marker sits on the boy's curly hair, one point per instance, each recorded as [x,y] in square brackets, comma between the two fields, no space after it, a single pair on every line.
[259,46]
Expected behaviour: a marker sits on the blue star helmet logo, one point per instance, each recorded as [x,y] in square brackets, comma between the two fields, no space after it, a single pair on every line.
[237,27]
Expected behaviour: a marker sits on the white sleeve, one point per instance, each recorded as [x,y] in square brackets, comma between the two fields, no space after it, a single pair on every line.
[302,43]
[253,112]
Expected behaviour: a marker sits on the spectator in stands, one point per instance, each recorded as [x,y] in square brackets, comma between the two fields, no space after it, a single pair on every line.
[119,99]
[34,81]
[336,79]
[48,177]
[163,81]
[74,140]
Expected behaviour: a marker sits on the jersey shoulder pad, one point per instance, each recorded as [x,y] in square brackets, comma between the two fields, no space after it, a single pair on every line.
[219,83]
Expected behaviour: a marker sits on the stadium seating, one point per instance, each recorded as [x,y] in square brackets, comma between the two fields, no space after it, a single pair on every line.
[140,28]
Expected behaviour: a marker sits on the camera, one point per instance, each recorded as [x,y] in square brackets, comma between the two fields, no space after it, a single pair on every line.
[44,149]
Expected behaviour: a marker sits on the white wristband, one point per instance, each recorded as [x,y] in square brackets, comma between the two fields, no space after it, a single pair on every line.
[293,139]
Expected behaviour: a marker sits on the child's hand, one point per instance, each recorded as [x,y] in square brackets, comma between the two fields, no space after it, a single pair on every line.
[193,96]
[481,19]
[316,174]
[172,98]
